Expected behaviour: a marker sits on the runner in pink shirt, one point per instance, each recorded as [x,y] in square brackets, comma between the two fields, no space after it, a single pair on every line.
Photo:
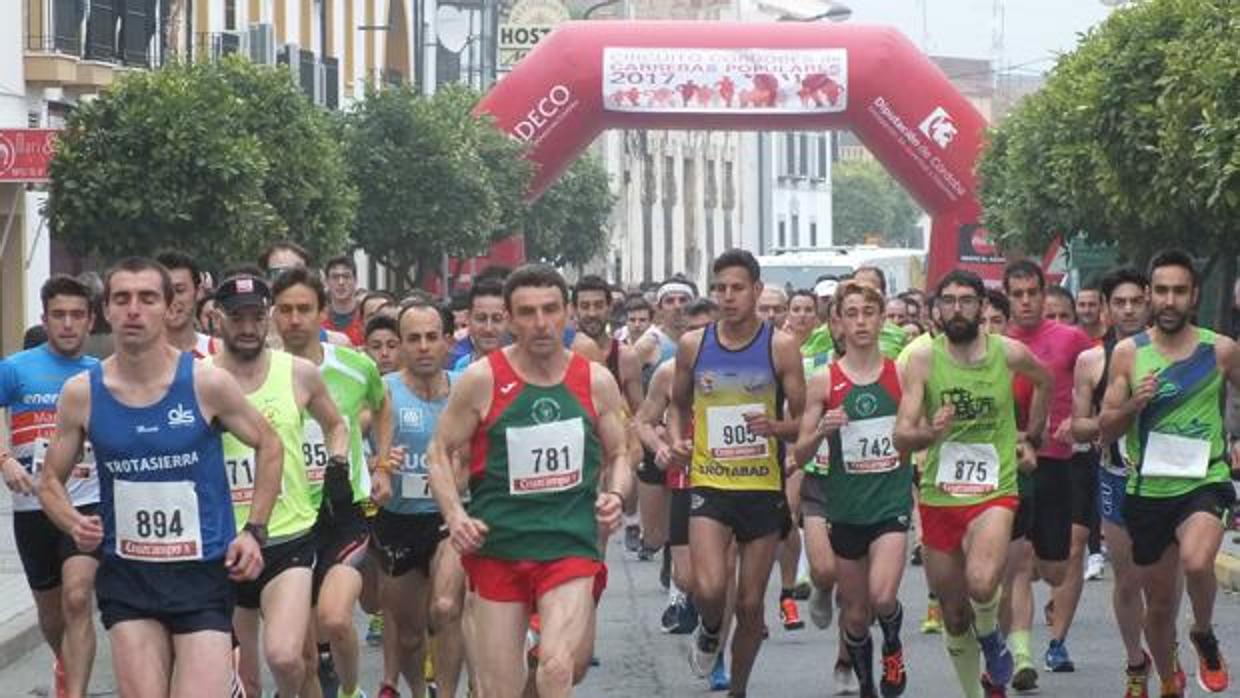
[1064,483]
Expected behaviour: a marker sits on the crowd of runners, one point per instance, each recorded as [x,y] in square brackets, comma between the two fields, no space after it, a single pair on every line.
[244,459]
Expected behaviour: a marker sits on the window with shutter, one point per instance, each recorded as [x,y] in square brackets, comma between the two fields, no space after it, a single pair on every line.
[305,72]
[101,30]
[67,25]
[331,82]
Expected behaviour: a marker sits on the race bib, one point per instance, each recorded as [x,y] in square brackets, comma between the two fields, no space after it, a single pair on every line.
[967,470]
[37,457]
[867,446]
[1168,455]
[314,451]
[240,471]
[728,435]
[545,457]
[415,486]
[157,521]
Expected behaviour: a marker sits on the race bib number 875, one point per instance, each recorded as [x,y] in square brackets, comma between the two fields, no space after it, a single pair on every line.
[968,469]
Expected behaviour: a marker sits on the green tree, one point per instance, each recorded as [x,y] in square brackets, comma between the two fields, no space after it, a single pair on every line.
[431,179]
[1134,140]
[866,201]
[568,223]
[216,159]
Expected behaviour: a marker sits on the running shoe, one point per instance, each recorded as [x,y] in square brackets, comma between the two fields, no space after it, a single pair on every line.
[990,689]
[1170,689]
[357,693]
[387,691]
[803,589]
[374,630]
[1181,678]
[1211,668]
[632,538]
[1137,685]
[1057,659]
[1025,679]
[533,636]
[432,690]
[845,680]
[703,652]
[58,678]
[820,609]
[790,614]
[933,624]
[671,617]
[687,620]
[1094,566]
[719,679]
[894,678]
[999,663]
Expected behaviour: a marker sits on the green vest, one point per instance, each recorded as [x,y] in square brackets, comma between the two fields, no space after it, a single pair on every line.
[976,460]
[275,399]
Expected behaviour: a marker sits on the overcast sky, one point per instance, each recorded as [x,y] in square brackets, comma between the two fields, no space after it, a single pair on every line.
[1035,30]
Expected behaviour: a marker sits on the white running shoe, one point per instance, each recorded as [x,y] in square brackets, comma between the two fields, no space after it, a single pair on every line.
[820,609]
[845,680]
[1094,566]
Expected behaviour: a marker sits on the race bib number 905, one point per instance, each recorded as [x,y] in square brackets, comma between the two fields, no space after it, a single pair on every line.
[157,521]
[545,457]
[728,435]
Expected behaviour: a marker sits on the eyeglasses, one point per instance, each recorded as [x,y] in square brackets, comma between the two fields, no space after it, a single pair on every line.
[962,302]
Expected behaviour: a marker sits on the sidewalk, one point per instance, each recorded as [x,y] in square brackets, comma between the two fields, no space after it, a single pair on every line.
[19,627]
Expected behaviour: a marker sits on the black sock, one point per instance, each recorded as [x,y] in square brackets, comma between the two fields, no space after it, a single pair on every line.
[325,648]
[891,629]
[787,593]
[861,652]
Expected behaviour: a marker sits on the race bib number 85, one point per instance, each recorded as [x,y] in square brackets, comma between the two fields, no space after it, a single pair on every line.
[545,457]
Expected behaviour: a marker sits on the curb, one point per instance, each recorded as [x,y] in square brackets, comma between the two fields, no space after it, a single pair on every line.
[1227,571]
[19,636]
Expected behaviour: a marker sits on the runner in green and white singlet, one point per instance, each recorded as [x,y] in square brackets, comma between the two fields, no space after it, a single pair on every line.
[281,387]
[1165,395]
[354,383]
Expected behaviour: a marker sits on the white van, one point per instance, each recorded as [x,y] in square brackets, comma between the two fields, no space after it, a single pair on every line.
[904,268]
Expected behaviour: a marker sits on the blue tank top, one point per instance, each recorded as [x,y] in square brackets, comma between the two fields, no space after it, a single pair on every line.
[163,490]
[667,350]
[414,422]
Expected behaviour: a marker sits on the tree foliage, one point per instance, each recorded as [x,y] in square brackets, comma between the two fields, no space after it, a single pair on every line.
[1134,140]
[866,201]
[216,159]
[431,179]
[568,224]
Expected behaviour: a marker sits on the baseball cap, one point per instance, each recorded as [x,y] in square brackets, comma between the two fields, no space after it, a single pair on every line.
[240,291]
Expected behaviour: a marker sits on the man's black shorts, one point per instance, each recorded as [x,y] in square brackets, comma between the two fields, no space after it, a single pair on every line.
[648,472]
[277,558]
[186,597]
[678,519]
[405,542]
[751,514]
[1052,510]
[1152,521]
[1084,473]
[43,548]
[852,541]
[341,535]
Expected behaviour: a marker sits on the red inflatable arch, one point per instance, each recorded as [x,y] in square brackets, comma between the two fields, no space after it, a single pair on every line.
[589,76]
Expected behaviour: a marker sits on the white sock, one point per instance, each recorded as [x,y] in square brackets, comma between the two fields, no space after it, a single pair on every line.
[631,520]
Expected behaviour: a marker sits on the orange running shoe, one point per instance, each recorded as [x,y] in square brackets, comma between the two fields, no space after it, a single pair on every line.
[1181,679]
[894,677]
[1211,668]
[1138,680]
[790,614]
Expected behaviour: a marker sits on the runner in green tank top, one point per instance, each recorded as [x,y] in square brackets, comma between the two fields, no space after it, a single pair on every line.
[866,493]
[281,388]
[341,530]
[1164,393]
[957,402]
[543,429]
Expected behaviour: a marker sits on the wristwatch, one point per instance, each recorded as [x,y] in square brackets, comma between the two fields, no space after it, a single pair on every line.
[338,461]
[258,531]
